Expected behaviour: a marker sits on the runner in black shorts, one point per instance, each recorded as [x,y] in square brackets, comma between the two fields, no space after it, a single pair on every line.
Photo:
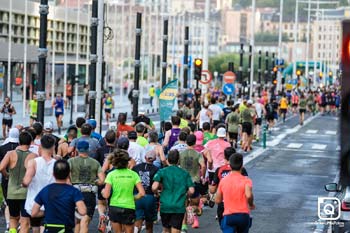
[7,110]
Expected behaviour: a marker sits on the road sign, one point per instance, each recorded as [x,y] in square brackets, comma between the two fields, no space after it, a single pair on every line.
[228,89]
[207,77]
[229,77]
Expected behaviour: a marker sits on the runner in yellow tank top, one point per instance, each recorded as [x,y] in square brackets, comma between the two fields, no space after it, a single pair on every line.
[283,107]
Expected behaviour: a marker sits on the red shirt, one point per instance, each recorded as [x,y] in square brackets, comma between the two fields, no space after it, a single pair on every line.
[123,129]
[232,187]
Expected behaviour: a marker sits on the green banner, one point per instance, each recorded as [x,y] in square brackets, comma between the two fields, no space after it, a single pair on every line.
[167,100]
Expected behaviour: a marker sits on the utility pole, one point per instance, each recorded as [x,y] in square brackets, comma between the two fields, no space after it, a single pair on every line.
[165,51]
[249,70]
[93,60]
[240,71]
[206,36]
[295,38]
[99,65]
[308,40]
[252,43]
[136,92]
[267,67]
[185,61]
[44,11]
[259,74]
[279,77]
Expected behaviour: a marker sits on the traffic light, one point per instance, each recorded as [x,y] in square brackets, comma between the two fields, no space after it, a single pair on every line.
[330,75]
[274,78]
[298,73]
[345,106]
[320,75]
[198,63]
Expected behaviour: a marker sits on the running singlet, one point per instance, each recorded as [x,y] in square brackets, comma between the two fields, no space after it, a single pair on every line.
[108,103]
[59,106]
[6,110]
[33,108]
[283,103]
[295,99]
[174,136]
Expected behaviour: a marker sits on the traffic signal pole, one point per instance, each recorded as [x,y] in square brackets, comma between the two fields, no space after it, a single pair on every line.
[44,11]
[266,67]
[165,50]
[259,74]
[240,71]
[249,70]
[135,92]
[187,41]
[93,60]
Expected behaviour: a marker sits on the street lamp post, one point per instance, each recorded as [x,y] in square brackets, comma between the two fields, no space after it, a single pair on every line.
[280,45]
[93,60]
[44,11]
[252,43]
[136,91]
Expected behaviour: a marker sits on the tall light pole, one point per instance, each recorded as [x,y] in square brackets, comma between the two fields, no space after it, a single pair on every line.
[99,73]
[295,38]
[252,43]
[9,55]
[280,45]
[77,56]
[308,40]
[206,36]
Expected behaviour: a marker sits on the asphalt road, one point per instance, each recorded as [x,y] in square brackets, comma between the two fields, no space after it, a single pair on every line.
[288,177]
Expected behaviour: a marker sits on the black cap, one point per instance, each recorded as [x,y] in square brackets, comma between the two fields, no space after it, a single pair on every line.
[123,143]
[132,135]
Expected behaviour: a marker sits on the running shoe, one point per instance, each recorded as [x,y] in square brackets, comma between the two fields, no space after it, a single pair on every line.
[190,215]
[102,224]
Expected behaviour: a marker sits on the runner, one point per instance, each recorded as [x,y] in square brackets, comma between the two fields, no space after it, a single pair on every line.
[10,144]
[221,173]
[204,115]
[260,112]
[233,121]
[157,148]
[142,118]
[302,109]
[7,110]
[247,126]
[180,145]
[311,103]
[216,149]
[283,107]
[171,136]
[135,151]
[122,127]
[140,130]
[94,134]
[151,94]
[33,106]
[59,209]
[174,194]
[86,130]
[38,175]
[236,190]
[217,112]
[146,207]
[120,185]
[108,105]
[16,161]
[63,147]
[193,163]
[208,135]
[295,102]
[84,172]
[58,105]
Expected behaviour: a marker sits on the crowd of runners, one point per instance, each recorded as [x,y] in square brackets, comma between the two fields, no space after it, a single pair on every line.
[136,175]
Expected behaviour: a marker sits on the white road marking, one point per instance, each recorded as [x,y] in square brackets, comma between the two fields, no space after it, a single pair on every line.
[312,131]
[330,132]
[295,145]
[319,147]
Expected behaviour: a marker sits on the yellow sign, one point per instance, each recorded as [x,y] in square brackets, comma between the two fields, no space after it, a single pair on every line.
[289,87]
[168,94]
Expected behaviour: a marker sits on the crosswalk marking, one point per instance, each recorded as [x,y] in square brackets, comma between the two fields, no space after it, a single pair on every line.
[319,147]
[294,145]
[331,132]
[312,131]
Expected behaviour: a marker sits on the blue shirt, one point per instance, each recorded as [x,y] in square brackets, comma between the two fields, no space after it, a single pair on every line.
[96,135]
[59,202]
[59,108]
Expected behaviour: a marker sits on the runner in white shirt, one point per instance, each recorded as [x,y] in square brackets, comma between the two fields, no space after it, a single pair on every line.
[204,115]
[135,151]
[38,175]
[260,111]
[217,112]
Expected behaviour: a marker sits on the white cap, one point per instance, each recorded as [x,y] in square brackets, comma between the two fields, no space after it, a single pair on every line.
[250,102]
[142,111]
[48,126]
[221,133]
[13,135]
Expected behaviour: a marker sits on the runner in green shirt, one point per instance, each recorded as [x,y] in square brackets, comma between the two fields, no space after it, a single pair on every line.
[33,106]
[176,183]
[120,184]
[302,108]
[208,136]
